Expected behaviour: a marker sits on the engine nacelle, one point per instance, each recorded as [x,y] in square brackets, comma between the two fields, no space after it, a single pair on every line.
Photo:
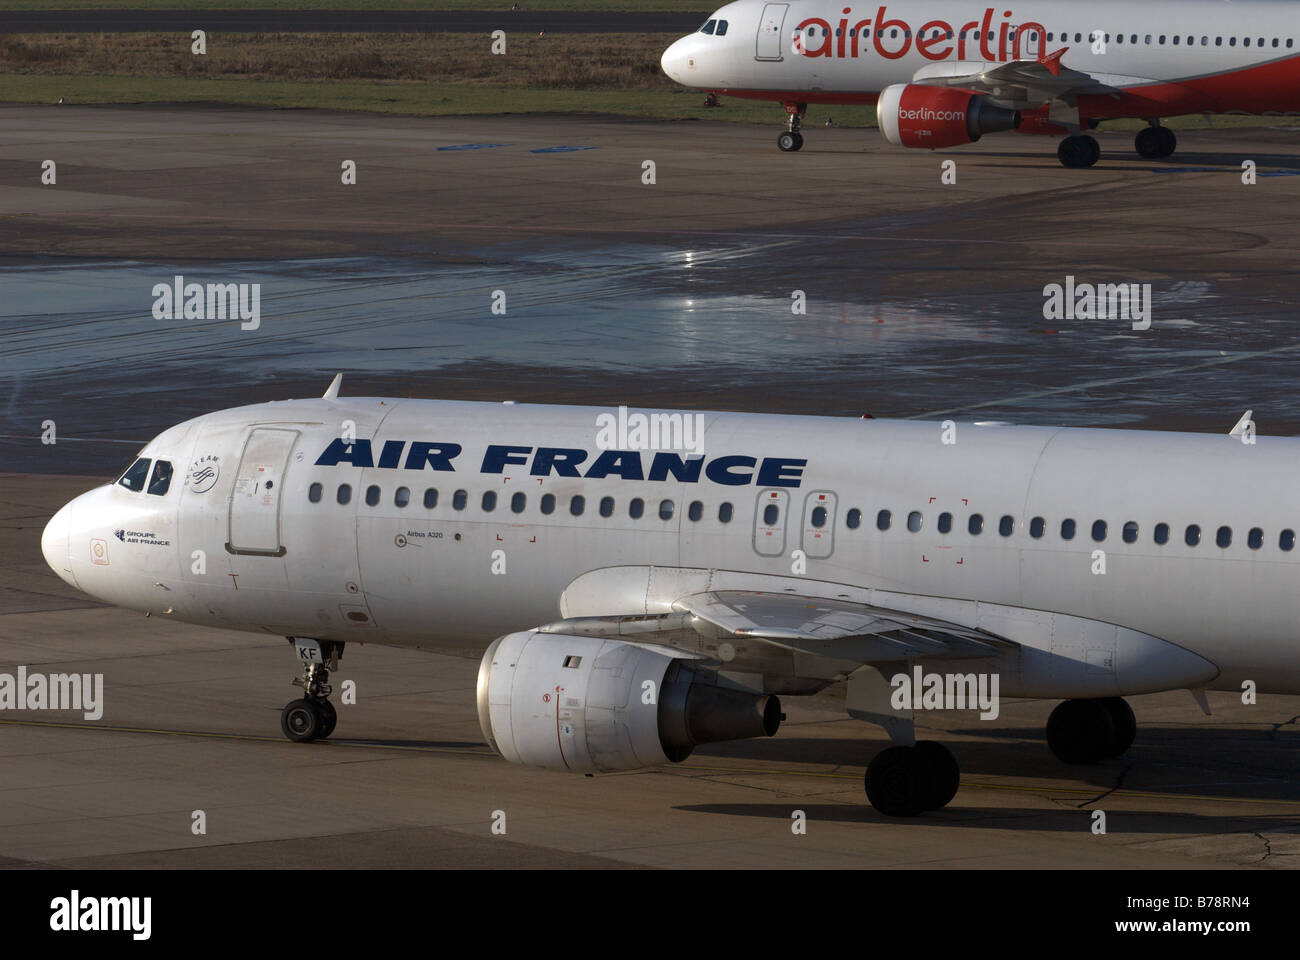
[916,115]
[586,703]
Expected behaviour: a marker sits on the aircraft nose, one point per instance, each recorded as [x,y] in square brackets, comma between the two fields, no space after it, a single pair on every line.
[673,61]
[54,544]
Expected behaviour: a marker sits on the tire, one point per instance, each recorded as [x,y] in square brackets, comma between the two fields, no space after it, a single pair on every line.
[1126,728]
[329,718]
[1148,143]
[1168,142]
[300,721]
[945,775]
[789,142]
[1081,731]
[898,784]
[1078,152]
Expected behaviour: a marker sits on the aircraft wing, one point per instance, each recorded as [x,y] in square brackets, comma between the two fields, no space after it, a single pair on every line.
[1022,81]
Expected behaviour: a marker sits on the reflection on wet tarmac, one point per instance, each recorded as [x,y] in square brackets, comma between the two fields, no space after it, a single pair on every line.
[711,327]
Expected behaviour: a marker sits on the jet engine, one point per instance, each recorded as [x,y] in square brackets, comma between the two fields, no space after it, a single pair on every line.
[916,115]
[586,703]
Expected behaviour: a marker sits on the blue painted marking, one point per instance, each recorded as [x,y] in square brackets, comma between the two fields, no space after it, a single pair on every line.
[560,149]
[1278,173]
[473,146]
[1261,173]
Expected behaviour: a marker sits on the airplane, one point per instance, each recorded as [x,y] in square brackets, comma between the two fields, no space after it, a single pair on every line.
[943,73]
[644,590]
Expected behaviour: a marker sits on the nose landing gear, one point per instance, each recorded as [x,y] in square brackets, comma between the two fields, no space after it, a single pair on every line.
[792,139]
[313,717]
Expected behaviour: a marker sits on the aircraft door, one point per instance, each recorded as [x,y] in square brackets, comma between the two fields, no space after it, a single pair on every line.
[255,497]
[819,524]
[769,31]
[769,522]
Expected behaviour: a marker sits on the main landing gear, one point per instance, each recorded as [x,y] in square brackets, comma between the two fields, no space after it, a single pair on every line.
[1155,142]
[904,781]
[1085,731]
[313,717]
[1078,151]
[792,139]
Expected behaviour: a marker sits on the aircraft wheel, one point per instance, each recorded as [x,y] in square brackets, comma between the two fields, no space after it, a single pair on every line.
[300,721]
[329,718]
[1080,151]
[1081,731]
[789,142]
[1148,143]
[1126,728]
[897,784]
[1168,142]
[944,772]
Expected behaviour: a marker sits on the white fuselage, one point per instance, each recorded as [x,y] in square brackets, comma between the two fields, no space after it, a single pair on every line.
[267,545]
[1195,55]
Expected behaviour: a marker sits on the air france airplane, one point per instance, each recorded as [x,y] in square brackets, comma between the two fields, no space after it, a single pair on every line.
[943,73]
[648,596]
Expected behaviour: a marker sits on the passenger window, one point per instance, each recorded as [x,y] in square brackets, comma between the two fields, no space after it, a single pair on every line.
[695,511]
[1067,529]
[853,519]
[314,492]
[771,513]
[162,478]
[636,508]
[665,509]
[517,502]
[1223,537]
[430,498]
[577,504]
[459,499]
[819,517]
[1099,530]
[1130,532]
[882,520]
[1006,525]
[1255,539]
[606,506]
[1161,533]
[134,476]
[489,501]
[1192,536]
[1286,540]
[975,525]
[724,513]
[1036,527]
[372,496]
[344,494]
[401,496]
[914,521]
[945,522]
[548,503]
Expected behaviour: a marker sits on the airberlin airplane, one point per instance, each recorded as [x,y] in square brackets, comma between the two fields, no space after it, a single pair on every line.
[943,73]
[637,595]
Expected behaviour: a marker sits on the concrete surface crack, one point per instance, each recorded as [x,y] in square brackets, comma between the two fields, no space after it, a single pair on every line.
[1119,782]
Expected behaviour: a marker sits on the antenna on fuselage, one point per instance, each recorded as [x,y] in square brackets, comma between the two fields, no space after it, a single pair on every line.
[332,392]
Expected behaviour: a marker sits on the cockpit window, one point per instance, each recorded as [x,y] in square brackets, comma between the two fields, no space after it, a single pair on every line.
[708,27]
[722,29]
[133,478]
[161,479]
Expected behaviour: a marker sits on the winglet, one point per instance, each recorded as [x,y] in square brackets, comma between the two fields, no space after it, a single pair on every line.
[1052,61]
[1240,428]
[332,393]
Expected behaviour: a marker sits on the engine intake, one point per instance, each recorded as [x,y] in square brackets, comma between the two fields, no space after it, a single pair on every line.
[916,115]
[586,703]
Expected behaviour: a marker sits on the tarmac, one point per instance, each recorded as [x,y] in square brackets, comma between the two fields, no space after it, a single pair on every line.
[191,715]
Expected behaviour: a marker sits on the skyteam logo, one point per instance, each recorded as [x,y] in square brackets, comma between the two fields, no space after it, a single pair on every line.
[683,432]
[203,474]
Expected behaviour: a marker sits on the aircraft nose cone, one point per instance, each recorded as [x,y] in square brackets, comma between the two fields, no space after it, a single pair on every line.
[671,61]
[54,544]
